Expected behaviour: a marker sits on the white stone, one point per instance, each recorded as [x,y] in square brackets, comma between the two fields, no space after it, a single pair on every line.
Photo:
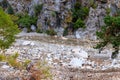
[104,67]
[33,28]
[75,62]
[80,53]
[75,50]
[3,63]
[26,43]
[83,54]
[5,67]
[32,44]
[88,67]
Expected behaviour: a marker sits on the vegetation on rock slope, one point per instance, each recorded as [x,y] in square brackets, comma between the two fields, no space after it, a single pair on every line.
[110,33]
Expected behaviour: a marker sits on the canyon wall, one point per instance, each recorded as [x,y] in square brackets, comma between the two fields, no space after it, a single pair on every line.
[56,14]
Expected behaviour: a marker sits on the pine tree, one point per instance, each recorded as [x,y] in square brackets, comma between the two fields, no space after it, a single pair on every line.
[7,30]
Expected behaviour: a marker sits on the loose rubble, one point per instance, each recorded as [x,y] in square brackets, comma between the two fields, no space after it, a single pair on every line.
[60,56]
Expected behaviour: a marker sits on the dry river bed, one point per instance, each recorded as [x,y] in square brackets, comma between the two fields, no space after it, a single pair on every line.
[68,59]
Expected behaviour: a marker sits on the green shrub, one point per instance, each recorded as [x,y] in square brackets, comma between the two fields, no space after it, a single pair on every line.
[2,57]
[110,34]
[65,31]
[79,24]
[12,60]
[77,5]
[26,21]
[38,9]
[108,10]
[93,4]
[14,18]
[10,10]
[7,30]
[53,13]
[4,4]
[45,69]
[51,32]
[26,63]
[39,31]
[79,14]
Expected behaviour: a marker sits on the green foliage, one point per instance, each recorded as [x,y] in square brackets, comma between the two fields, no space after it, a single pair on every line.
[12,60]
[4,4]
[51,32]
[93,4]
[14,56]
[14,18]
[110,34]
[45,69]
[26,62]
[26,20]
[79,24]
[79,12]
[79,15]
[65,31]
[53,13]
[68,18]
[108,10]
[118,12]
[39,31]
[10,10]
[38,9]
[2,57]
[7,30]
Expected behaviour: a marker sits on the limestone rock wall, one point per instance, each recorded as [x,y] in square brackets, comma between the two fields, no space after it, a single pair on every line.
[20,6]
[93,22]
[55,13]
[96,16]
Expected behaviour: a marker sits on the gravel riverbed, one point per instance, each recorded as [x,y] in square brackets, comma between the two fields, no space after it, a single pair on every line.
[68,59]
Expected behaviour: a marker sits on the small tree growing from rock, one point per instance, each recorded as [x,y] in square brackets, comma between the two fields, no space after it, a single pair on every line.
[110,34]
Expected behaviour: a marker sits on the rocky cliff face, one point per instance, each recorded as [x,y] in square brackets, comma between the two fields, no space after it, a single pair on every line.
[53,14]
[93,22]
[56,13]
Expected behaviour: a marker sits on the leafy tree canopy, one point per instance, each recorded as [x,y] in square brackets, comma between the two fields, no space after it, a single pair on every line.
[110,34]
[7,30]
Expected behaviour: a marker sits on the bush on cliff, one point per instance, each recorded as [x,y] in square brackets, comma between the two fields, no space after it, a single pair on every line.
[26,21]
[110,34]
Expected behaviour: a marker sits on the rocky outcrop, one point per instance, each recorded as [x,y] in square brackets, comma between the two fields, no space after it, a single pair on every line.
[93,23]
[20,6]
[53,15]
[56,14]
